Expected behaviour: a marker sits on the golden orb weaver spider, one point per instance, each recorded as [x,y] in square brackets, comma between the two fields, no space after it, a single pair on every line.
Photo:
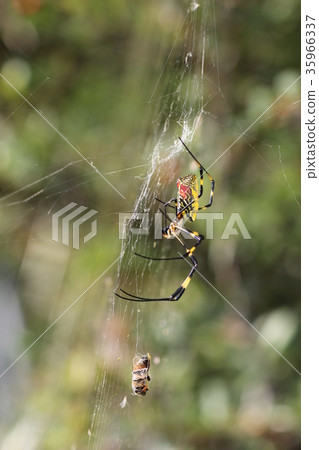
[186,206]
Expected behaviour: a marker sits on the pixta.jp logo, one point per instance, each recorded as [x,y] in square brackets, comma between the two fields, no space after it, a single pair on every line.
[72,217]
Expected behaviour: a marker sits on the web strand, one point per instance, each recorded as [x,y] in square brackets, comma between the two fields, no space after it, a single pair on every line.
[254,122]
[243,317]
[59,317]
[61,135]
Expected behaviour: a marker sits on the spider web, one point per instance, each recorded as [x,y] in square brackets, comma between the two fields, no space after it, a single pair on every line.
[179,106]
[186,101]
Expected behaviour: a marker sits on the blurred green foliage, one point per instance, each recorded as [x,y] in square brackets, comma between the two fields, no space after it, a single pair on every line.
[91,68]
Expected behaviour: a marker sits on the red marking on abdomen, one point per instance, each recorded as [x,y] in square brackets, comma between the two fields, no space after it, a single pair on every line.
[183,190]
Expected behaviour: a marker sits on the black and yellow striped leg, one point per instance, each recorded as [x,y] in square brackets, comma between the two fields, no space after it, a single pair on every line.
[201,170]
[168,203]
[181,289]
[210,199]
[194,234]
[189,253]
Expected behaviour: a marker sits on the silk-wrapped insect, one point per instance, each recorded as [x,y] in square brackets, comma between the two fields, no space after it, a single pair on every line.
[140,373]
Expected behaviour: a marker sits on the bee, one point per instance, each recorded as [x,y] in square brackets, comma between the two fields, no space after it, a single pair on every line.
[140,373]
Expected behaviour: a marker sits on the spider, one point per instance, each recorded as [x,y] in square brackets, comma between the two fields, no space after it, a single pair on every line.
[186,206]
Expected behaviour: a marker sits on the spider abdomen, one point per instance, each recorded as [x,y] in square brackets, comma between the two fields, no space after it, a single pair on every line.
[187,196]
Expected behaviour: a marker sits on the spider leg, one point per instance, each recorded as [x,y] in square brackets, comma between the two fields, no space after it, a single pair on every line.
[201,170]
[166,204]
[195,159]
[194,234]
[135,298]
[181,289]
[165,216]
[160,259]
[210,199]
[178,214]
